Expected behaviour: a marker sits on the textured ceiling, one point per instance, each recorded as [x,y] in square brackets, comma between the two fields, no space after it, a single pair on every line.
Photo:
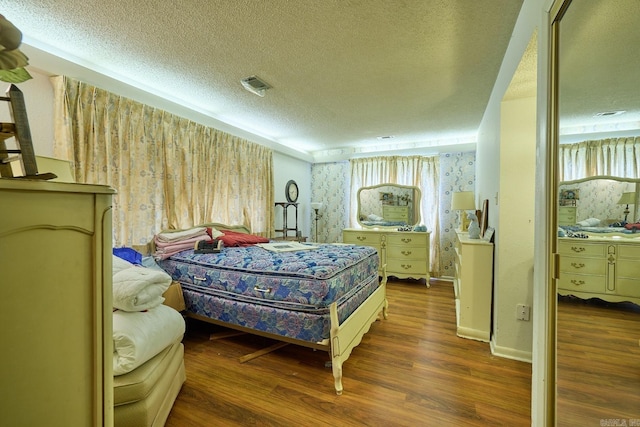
[598,66]
[344,72]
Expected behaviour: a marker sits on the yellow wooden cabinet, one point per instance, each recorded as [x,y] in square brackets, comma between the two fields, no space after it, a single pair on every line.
[56,361]
[405,253]
[472,286]
[567,215]
[603,268]
[395,213]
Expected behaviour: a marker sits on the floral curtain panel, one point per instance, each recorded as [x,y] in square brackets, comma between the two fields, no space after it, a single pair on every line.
[405,170]
[613,157]
[169,172]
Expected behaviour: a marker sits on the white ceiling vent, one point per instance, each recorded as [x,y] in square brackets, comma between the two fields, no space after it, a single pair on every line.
[254,85]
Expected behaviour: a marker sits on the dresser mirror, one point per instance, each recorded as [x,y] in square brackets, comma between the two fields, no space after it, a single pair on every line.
[388,206]
[598,204]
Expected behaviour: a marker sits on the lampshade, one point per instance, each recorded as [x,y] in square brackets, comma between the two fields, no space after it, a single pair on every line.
[464,200]
[316,205]
[627,198]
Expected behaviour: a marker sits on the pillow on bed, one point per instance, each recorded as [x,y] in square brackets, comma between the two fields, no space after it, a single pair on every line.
[235,238]
[213,233]
[589,222]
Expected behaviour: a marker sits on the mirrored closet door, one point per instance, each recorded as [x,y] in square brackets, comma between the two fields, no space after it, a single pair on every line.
[598,311]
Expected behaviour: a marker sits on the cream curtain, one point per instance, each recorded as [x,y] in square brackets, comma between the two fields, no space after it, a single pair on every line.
[423,172]
[613,157]
[169,172]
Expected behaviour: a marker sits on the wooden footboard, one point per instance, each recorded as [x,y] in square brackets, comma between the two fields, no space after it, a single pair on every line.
[346,336]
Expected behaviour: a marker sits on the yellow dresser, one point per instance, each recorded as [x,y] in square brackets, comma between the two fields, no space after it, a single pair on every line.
[405,253]
[603,268]
[472,286]
[56,307]
[395,213]
[567,215]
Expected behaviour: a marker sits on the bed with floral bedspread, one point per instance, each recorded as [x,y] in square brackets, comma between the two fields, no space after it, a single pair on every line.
[325,296]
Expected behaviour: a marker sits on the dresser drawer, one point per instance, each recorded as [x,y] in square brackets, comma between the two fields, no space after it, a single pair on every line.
[406,252]
[582,265]
[566,215]
[578,247]
[629,252]
[367,239]
[629,287]
[407,266]
[582,283]
[395,213]
[628,268]
[407,239]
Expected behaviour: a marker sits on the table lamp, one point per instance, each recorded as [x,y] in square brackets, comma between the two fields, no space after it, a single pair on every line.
[463,201]
[626,199]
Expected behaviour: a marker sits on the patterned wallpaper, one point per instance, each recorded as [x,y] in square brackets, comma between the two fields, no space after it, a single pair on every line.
[457,173]
[330,184]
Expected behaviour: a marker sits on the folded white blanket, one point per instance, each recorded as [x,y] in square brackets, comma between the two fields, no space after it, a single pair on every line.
[120,264]
[191,241]
[138,288]
[173,236]
[139,336]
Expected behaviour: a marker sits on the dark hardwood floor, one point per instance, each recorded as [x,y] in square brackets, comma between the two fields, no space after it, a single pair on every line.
[598,363]
[409,370]
[412,370]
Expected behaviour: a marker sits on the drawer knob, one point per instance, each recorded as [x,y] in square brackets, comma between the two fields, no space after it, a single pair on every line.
[577,248]
[406,253]
[577,282]
[577,265]
[406,266]
[406,240]
[361,238]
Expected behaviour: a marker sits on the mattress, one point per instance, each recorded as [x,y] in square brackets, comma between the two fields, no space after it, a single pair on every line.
[287,293]
[145,396]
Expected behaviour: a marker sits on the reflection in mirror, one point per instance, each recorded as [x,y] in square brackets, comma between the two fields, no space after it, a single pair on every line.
[388,205]
[599,204]
[598,278]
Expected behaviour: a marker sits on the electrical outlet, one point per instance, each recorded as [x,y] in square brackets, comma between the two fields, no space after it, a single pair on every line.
[523,312]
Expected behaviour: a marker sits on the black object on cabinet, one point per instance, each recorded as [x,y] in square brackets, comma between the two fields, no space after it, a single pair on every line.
[285,230]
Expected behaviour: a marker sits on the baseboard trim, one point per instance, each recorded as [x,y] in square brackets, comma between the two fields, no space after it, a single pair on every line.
[510,353]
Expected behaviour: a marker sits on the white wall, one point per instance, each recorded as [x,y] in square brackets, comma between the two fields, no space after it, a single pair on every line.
[284,169]
[511,337]
[534,14]
[514,251]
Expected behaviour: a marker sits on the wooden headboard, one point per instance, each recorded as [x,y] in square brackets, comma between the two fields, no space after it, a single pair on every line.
[238,227]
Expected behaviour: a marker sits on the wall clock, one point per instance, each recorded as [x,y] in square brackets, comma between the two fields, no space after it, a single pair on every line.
[291,191]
